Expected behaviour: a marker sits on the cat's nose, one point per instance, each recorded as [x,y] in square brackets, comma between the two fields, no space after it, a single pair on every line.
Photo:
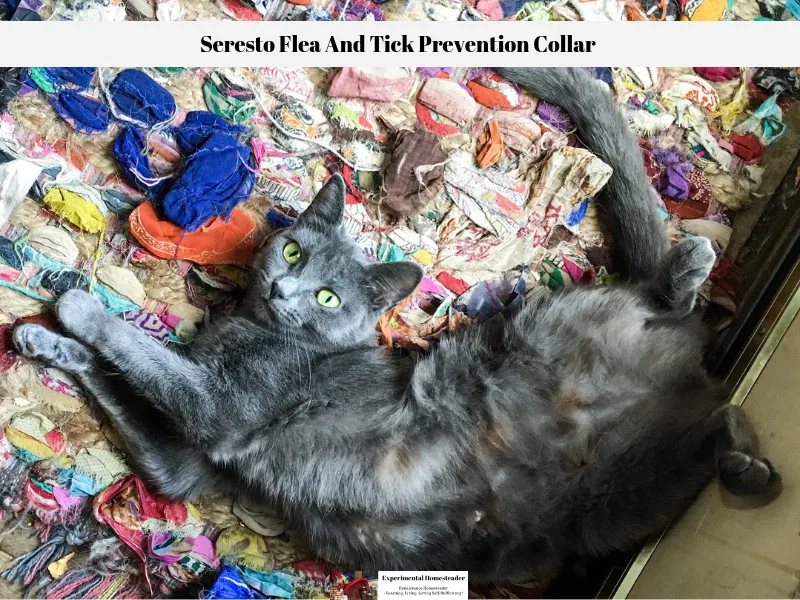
[275,291]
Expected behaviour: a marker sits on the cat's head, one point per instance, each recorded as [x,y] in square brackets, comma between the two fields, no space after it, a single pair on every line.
[312,278]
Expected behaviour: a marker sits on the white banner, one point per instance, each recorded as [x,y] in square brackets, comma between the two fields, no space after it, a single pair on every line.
[395,43]
[435,585]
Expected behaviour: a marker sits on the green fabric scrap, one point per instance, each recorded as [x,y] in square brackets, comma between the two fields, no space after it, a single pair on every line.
[224,104]
[39,78]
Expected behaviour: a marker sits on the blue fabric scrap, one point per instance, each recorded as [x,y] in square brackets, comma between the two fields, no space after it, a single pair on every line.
[9,254]
[511,7]
[576,216]
[77,78]
[199,125]
[27,82]
[276,584]
[216,178]
[7,8]
[138,97]
[25,14]
[601,73]
[84,485]
[229,585]
[131,152]
[278,219]
[83,113]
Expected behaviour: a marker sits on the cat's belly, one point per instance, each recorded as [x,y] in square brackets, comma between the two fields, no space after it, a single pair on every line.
[516,418]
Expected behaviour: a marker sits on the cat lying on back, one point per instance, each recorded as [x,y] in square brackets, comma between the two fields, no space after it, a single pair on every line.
[579,426]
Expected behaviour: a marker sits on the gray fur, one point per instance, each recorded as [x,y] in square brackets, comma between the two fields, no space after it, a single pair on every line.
[578,426]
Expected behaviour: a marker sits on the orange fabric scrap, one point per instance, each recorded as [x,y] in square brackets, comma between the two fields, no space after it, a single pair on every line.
[490,145]
[488,97]
[216,242]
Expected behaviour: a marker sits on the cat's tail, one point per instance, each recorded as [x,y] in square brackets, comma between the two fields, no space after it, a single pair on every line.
[640,239]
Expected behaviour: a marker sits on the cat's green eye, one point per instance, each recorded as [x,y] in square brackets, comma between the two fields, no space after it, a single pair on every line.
[328,298]
[292,253]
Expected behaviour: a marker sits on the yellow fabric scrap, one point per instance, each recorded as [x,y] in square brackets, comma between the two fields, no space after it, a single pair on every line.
[79,212]
[22,440]
[729,112]
[192,512]
[423,256]
[75,209]
[27,431]
[59,567]
[708,10]
[234,273]
[244,547]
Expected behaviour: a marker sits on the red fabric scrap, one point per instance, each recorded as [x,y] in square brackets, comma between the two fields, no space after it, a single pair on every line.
[317,570]
[8,355]
[747,146]
[55,439]
[490,8]
[46,320]
[355,586]
[429,119]
[39,497]
[353,194]
[126,505]
[717,74]
[242,12]
[455,285]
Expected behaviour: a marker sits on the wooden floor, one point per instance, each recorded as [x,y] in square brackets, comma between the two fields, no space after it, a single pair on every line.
[728,548]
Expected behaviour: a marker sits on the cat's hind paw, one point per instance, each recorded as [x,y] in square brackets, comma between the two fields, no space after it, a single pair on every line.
[745,475]
[683,270]
[691,262]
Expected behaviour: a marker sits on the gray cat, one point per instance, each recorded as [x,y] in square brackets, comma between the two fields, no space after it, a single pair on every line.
[578,426]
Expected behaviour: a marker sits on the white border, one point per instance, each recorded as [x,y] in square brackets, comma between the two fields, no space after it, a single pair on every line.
[152,44]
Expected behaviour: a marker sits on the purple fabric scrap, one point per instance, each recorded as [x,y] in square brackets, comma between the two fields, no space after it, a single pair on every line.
[486,299]
[554,116]
[149,323]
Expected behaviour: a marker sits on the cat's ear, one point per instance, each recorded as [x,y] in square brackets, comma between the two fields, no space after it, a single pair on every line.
[389,283]
[327,209]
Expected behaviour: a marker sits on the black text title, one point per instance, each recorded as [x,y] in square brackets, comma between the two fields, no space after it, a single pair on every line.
[386,44]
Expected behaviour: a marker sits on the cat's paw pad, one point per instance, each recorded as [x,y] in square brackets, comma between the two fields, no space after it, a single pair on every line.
[35,341]
[80,313]
[745,475]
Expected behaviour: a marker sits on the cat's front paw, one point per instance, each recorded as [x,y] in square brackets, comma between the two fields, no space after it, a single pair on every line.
[34,341]
[81,314]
